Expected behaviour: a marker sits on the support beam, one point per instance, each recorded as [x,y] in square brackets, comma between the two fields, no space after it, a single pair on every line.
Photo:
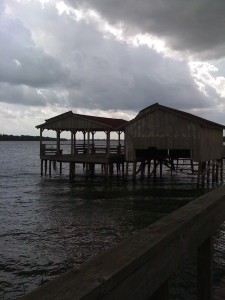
[58,141]
[88,142]
[50,168]
[72,143]
[108,142]
[42,167]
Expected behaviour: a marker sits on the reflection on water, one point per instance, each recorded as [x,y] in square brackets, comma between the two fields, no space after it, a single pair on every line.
[50,225]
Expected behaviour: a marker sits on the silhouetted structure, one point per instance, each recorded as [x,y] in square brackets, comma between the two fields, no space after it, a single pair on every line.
[157,136]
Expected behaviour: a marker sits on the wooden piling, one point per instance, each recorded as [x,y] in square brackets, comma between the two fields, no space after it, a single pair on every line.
[50,168]
[213,172]
[46,166]
[42,167]
[160,169]
[155,166]
[208,172]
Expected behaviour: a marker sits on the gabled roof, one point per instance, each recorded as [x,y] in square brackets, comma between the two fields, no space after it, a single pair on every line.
[177,112]
[99,122]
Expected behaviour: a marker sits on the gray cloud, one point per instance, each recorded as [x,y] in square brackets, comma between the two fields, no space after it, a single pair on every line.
[50,60]
[194,26]
[22,62]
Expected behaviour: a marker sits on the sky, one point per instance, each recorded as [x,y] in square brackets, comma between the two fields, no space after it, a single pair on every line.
[109,58]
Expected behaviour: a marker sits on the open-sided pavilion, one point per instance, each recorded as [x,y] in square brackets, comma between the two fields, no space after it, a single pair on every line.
[88,153]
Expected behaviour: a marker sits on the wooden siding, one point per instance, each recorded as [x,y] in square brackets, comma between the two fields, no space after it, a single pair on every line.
[210,144]
[165,130]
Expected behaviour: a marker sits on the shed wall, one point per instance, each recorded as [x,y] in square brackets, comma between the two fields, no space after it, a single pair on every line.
[165,130]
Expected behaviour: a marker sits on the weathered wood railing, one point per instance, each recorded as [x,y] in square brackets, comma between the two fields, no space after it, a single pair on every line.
[51,149]
[139,267]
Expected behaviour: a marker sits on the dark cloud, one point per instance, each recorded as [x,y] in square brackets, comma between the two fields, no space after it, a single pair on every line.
[49,60]
[196,26]
[21,95]
[132,79]
[22,62]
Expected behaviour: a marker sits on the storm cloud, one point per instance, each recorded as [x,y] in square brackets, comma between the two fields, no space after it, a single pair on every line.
[196,27]
[53,60]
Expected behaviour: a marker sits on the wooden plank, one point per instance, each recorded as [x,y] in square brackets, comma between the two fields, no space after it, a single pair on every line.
[137,267]
[205,270]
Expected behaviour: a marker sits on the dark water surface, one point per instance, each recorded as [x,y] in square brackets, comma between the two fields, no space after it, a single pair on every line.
[50,225]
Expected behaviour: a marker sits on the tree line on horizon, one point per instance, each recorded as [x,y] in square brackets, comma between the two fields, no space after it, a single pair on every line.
[10,137]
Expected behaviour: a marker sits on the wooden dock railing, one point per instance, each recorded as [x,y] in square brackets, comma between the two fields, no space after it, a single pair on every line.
[140,267]
[51,149]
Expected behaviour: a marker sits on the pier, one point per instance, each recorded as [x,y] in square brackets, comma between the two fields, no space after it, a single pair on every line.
[158,137]
[141,266]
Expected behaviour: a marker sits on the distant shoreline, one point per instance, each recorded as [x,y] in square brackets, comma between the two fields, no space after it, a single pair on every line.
[27,138]
[24,138]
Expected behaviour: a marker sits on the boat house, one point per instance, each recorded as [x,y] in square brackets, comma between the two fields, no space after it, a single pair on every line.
[165,134]
[157,136]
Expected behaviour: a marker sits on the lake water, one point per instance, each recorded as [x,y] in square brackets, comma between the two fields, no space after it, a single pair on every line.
[50,225]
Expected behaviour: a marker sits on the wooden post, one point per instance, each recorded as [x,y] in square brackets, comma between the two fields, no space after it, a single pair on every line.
[41,130]
[71,144]
[74,142]
[60,167]
[217,171]
[192,167]
[93,142]
[119,133]
[149,167]
[160,169]
[204,264]
[172,166]
[41,167]
[58,142]
[134,169]
[106,166]
[203,169]
[72,169]
[155,166]
[208,172]
[84,133]
[88,142]
[108,142]
[199,173]
[221,171]
[142,169]
[123,169]
[50,168]
[213,173]
[127,169]
[46,166]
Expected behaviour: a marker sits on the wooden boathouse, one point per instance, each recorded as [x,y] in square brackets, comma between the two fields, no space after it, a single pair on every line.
[166,136]
[88,153]
[158,136]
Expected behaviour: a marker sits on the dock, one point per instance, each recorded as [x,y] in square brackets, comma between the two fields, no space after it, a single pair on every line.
[157,137]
